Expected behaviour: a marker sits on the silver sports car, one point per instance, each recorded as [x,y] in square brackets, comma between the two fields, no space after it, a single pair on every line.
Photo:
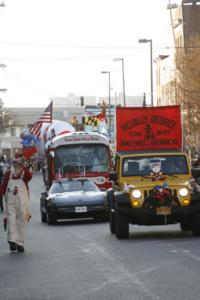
[73,198]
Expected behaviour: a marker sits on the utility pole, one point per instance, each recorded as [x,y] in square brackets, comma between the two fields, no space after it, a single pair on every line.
[109,100]
[151,64]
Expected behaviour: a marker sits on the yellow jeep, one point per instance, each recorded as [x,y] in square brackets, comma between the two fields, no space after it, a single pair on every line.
[153,188]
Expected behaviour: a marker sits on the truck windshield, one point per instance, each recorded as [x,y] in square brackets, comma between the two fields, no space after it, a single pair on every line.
[75,158]
[167,164]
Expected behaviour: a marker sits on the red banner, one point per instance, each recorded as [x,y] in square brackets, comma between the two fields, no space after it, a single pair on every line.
[145,128]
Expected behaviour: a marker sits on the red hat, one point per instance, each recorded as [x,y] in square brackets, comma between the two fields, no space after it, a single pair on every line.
[18,155]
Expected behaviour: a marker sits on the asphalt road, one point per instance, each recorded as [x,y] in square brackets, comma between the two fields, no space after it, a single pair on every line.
[83,261]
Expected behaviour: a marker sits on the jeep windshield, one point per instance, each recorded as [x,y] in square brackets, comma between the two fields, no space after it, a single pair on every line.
[146,165]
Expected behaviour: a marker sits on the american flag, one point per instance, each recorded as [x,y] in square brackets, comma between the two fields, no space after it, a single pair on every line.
[46,117]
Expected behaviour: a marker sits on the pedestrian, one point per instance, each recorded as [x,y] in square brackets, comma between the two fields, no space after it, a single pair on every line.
[16,191]
[1,178]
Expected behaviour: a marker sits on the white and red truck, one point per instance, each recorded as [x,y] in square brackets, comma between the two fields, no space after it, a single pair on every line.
[79,154]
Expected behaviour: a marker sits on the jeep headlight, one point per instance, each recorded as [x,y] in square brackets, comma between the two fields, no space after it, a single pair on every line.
[183,192]
[136,194]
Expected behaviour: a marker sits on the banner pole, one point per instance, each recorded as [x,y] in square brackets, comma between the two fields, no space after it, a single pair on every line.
[182,125]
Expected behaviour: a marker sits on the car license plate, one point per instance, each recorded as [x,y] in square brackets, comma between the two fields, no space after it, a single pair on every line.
[163,210]
[80,209]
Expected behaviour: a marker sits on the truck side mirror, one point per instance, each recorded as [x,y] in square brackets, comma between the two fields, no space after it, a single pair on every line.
[51,154]
[195,172]
[113,176]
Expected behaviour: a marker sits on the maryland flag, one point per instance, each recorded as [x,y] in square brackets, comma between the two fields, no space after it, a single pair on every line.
[90,121]
[96,119]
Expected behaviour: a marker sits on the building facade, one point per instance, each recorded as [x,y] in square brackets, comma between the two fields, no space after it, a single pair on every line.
[17,119]
[185,26]
[182,85]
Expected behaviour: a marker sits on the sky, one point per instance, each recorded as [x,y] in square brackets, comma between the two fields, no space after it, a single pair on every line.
[55,47]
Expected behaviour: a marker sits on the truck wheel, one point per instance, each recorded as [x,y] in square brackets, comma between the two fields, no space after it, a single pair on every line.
[51,219]
[121,226]
[196,224]
[112,221]
[186,225]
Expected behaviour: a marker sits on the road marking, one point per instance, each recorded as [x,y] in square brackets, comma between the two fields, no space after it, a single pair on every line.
[180,251]
[186,251]
[103,262]
[86,250]
[193,256]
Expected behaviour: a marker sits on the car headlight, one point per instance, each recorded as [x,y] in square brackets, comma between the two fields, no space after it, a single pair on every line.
[136,194]
[100,180]
[183,192]
[49,201]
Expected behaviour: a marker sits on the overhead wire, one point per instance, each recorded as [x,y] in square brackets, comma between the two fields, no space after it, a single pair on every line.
[126,47]
[115,47]
[28,84]
[69,46]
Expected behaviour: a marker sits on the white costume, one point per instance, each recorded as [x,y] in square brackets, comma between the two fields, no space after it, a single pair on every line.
[17,204]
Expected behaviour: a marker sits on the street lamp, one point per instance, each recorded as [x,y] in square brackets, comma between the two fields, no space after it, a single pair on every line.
[2,66]
[151,64]
[123,80]
[108,72]
[171,6]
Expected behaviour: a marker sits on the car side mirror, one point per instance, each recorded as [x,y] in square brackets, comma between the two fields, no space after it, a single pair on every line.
[44,194]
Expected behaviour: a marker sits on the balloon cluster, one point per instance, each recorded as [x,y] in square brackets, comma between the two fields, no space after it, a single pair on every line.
[28,139]
[30,143]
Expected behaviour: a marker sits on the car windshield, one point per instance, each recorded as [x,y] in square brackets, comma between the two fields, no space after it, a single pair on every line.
[81,158]
[72,186]
[145,165]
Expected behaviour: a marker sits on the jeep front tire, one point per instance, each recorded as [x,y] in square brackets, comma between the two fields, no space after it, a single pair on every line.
[121,226]
[112,221]
[196,224]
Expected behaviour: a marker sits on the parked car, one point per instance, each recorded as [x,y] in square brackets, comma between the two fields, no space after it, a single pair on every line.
[73,198]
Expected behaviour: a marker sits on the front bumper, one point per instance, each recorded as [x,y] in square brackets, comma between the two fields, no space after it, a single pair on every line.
[70,212]
[148,216]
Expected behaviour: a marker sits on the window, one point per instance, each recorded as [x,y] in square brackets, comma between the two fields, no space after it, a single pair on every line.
[13,131]
[73,158]
[73,186]
[167,164]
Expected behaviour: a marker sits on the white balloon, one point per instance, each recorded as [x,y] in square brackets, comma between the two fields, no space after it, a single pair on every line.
[59,127]
[43,131]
